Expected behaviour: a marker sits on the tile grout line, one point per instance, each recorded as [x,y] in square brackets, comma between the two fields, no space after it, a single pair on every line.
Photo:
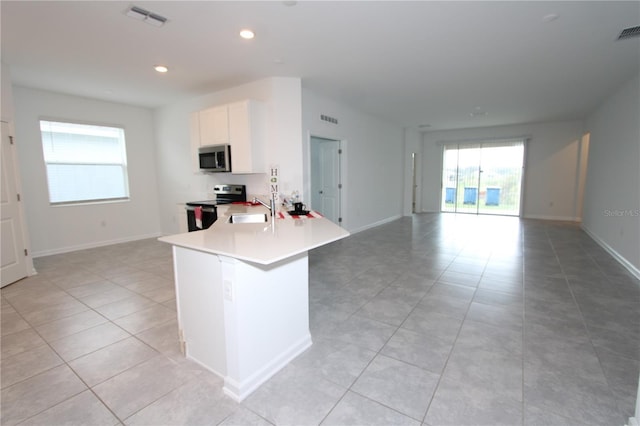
[67,363]
[378,353]
[584,323]
[550,237]
[446,363]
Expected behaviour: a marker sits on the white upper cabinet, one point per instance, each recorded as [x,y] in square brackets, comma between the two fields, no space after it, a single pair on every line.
[239,124]
[247,137]
[214,126]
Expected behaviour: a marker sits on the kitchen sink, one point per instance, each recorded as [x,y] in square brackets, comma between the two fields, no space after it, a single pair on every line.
[248,218]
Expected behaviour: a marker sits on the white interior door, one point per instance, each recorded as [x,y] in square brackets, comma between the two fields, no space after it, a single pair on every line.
[13,255]
[325,177]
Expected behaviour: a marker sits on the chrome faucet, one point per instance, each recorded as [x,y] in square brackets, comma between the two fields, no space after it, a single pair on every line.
[271,206]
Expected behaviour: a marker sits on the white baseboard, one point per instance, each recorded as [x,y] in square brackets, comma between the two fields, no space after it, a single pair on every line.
[617,256]
[375,224]
[557,218]
[527,216]
[238,391]
[95,244]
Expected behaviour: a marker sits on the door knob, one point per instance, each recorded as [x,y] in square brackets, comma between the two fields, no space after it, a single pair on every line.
[320,192]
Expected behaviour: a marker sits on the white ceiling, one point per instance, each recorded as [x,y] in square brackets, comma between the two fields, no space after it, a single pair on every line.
[413,63]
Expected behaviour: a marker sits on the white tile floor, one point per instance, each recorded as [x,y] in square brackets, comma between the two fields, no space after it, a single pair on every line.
[433,320]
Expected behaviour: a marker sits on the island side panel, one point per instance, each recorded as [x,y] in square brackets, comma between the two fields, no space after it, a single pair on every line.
[266,318]
[198,277]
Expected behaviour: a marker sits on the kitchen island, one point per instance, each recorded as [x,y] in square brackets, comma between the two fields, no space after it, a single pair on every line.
[242,292]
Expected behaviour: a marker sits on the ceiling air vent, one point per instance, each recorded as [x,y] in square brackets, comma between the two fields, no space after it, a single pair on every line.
[328,119]
[629,32]
[144,15]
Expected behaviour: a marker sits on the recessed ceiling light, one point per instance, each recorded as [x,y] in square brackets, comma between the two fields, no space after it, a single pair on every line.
[247,34]
[161,68]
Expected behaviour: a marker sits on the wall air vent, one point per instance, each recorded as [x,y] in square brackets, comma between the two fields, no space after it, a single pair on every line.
[629,32]
[328,119]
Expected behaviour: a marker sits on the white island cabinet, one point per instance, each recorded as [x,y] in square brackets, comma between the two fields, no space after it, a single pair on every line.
[242,295]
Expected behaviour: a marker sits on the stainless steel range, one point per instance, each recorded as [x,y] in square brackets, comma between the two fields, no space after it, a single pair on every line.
[202,214]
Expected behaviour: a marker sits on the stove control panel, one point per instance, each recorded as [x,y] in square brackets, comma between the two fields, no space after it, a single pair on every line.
[230,189]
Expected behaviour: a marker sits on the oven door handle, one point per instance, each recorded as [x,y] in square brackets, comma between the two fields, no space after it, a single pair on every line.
[204,209]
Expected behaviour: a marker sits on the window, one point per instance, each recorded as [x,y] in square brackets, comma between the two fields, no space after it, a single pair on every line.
[85,163]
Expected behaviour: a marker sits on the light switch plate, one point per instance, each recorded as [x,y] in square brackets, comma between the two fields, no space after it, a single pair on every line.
[228,290]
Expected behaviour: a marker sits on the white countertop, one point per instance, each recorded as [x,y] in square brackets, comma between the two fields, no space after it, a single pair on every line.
[261,243]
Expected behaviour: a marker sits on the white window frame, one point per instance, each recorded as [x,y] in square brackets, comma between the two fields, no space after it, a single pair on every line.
[90,129]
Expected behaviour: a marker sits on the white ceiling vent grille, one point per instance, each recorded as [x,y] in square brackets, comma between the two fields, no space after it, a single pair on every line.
[629,32]
[144,15]
[328,119]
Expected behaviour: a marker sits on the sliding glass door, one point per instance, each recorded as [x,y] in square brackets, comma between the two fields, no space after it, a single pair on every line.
[482,178]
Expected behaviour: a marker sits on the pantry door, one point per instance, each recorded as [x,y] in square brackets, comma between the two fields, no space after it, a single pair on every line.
[325,178]
[483,178]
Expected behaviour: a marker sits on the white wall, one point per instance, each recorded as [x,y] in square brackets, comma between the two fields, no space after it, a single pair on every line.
[6,90]
[67,228]
[372,161]
[551,180]
[612,195]
[179,183]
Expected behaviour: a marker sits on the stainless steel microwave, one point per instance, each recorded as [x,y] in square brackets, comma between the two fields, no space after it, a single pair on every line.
[215,158]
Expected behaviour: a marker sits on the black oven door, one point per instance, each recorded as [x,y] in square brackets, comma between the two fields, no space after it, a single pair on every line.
[209,215]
